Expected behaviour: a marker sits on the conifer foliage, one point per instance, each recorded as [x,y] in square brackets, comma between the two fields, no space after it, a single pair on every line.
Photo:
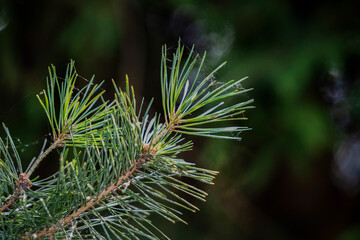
[118,164]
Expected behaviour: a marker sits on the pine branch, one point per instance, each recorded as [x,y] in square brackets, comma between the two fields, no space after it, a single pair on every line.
[77,116]
[118,165]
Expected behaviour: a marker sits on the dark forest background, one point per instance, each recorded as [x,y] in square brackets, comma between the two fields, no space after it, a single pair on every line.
[296,175]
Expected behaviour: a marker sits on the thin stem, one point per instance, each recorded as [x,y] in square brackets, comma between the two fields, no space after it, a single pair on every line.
[76,213]
[54,145]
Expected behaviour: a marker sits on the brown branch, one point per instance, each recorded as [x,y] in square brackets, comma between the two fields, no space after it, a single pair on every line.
[11,200]
[57,143]
[76,213]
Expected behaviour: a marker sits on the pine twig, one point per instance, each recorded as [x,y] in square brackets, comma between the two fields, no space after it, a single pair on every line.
[57,143]
[108,145]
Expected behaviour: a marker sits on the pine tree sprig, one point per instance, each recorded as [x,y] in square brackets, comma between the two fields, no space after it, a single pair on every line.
[196,95]
[118,164]
[78,115]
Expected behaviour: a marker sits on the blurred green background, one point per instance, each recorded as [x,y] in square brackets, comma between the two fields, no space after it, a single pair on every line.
[296,175]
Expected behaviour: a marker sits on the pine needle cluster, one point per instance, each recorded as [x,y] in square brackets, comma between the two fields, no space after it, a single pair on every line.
[118,164]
